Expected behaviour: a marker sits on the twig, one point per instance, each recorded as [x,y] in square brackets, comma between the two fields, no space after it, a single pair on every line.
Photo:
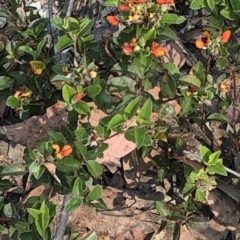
[63,220]
[69,10]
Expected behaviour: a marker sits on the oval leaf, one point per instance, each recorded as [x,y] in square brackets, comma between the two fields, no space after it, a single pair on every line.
[191,80]
[95,193]
[94,168]
[67,164]
[73,204]
[63,42]
[116,121]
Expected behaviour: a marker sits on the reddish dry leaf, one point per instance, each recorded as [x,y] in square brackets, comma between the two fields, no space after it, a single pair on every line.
[36,192]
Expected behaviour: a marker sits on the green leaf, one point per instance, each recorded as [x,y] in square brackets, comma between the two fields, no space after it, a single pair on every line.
[188,189]
[218,116]
[82,108]
[15,169]
[95,193]
[93,90]
[94,168]
[168,32]
[214,157]
[162,208]
[132,107]
[13,102]
[10,210]
[78,187]
[167,86]
[63,42]
[142,138]
[228,13]
[169,18]
[113,3]
[211,4]
[167,110]
[27,49]
[57,137]
[146,62]
[39,47]
[146,110]
[189,105]
[81,148]
[44,217]
[67,164]
[197,4]
[68,92]
[100,204]
[217,21]
[5,82]
[172,69]
[191,80]
[116,121]
[217,169]
[205,154]
[73,204]
[122,83]
[200,196]
[199,71]
[92,235]
[85,26]
[150,35]
[81,133]
[222,62]
[235,5]
[1,228]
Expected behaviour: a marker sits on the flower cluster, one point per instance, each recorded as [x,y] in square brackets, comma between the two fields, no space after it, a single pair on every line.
[135,11]
[156,49]
[205,40]
[65,151]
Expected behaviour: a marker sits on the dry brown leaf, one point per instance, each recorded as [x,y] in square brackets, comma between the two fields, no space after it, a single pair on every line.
[223,208]
[174,53]
[36,192]
[50,167]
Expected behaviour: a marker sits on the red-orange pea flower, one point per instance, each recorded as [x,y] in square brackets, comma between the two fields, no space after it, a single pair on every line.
[57,105]
[78,97]
[113,20]
[64,152]
[204,41]
[124,8]
[127,49]
[225,36]
[157,50]
[169,2]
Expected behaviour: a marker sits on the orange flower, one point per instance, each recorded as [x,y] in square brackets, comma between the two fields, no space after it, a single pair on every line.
[224,86]
[225,36]
[113,20]
[78,97]
[127,49]
[64,152]
[169,2]
[124,8]
[204,41]
[157,50]
[58,105]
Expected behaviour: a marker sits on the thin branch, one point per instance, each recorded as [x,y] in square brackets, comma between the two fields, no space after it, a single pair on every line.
[69,10]
[63,220]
